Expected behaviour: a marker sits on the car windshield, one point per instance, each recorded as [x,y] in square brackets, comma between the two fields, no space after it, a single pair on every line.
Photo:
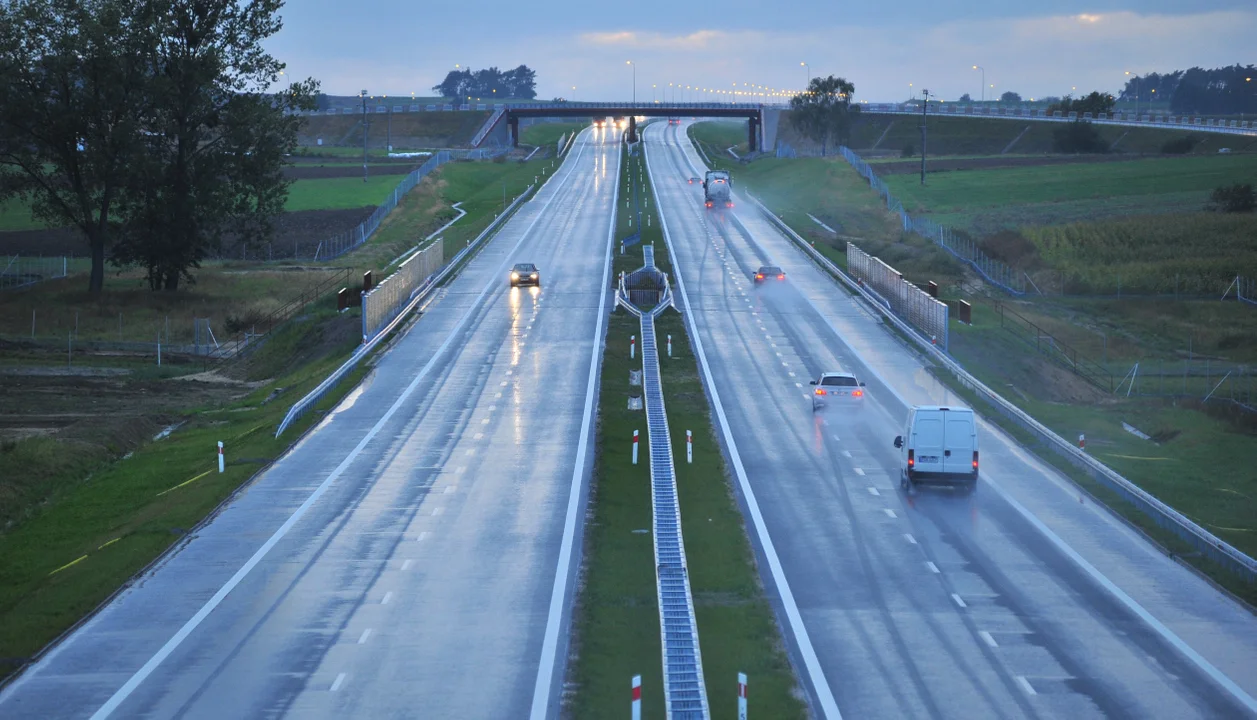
[770,270]
[525,267]
[839,380]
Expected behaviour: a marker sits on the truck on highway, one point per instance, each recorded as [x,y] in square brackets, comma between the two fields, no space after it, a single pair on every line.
[717,189]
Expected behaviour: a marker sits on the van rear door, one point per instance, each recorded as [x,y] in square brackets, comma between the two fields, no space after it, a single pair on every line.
[927,442]
[958,441]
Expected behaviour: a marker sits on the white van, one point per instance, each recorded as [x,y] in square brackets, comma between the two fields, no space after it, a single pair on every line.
[940,444]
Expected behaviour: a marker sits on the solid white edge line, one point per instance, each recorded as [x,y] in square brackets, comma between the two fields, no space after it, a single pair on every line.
[825,696]
[177,639]
[1247,700]
[549,644]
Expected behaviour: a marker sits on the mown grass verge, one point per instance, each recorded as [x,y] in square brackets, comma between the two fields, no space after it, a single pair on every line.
[72,554]
[617,617]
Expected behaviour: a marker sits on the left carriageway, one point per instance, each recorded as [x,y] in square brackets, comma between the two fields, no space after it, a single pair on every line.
[413,555]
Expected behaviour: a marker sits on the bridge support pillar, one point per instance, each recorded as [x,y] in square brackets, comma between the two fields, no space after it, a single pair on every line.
[514,122]
[752,141]
[632,129]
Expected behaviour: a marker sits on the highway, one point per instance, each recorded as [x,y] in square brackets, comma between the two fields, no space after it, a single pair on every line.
[415,554]
[1022,599]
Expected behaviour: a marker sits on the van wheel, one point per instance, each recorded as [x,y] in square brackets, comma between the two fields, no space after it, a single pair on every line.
[904,482]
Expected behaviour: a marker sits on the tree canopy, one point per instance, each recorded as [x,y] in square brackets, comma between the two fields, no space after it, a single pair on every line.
[1219,91]
[491,82]
[824,112]
[1095,103]
[1010,98]
[149,125]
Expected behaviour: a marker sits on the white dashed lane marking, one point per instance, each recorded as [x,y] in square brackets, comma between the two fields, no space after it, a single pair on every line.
[933,568]
[959,602]
[365,634]
[986,637]
[340,678]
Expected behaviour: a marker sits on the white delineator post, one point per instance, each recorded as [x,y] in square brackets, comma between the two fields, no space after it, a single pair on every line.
[634,447]
[632,346]
[637,697]
[220,456]
[669,346]
[689,446]
[741,696]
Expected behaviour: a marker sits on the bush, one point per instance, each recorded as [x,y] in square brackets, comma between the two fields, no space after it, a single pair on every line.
[1237,198]
[1078,137]
[1179,146]
[499,159]
[908,151]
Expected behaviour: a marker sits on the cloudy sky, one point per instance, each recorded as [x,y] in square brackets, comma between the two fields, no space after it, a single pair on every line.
[1040,48]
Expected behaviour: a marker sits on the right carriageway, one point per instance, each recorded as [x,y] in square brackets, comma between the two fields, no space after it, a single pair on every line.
[1022,599]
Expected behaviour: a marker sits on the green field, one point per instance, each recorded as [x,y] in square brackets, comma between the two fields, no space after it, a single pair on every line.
[403,130]
[968,191]
[340,193]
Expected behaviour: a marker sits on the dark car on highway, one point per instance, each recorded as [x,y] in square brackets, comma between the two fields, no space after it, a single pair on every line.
[525,274]
[769,272]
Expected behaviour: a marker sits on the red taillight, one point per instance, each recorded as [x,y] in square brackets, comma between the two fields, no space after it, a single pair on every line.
[759,276]
[975,460]
[820,391]
[781,277]
[911,458]
[858,393]
[708,204]
[728,204]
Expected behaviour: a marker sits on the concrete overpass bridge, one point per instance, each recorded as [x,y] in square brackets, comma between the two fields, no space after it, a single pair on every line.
[502,127]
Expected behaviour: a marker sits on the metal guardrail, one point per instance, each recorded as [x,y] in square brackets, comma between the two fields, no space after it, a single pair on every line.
[685,693]
[302,406]
[1163,515]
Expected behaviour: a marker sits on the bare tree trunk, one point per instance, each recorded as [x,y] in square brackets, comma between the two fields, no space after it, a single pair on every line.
[97,282]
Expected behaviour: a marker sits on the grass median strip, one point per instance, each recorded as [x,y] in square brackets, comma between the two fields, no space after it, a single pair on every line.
[617,617]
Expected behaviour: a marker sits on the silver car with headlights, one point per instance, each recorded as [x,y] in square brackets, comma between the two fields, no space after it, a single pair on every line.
[525,274]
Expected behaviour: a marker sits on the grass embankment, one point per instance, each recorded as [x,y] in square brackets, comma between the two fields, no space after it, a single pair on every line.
[874,133]
[1190,440]
[617,621]
[988,200]
[342,134]
[92,535]
[548,134]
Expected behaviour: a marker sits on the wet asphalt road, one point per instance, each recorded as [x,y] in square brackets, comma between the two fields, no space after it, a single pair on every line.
[438,508]
[1019,600]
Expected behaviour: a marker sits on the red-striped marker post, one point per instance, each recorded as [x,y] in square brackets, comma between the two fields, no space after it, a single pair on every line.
[689,446]
[220,456]
[634,448]
[1082,441]
[632,346]
[741,696]
[637,697]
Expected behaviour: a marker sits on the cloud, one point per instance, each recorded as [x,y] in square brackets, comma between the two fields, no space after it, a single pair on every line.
[700,40]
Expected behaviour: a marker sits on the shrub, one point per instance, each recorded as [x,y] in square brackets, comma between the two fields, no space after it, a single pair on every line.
[1078,137]
[908,151]
[1179,146]
[1237,198]
[499,159]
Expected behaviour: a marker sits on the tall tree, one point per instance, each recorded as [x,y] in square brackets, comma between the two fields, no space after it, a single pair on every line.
[824,111]
[1010,98]
[73,101]
[215,139]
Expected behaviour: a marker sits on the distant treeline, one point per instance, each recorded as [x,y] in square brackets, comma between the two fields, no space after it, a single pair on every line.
[489,83]
[1221,91]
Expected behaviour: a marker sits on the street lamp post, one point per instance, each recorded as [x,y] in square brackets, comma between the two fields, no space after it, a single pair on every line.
[1136,78]
[925,103]
[630,63]
[979,67]
[808,74]
[364,135]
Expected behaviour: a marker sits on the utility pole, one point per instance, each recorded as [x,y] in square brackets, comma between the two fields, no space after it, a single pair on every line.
[925,103]
[364,135]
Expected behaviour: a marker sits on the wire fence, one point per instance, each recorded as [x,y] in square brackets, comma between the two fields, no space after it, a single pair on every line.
[342,243]
[993,271]
[17,271]
[1053,348]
